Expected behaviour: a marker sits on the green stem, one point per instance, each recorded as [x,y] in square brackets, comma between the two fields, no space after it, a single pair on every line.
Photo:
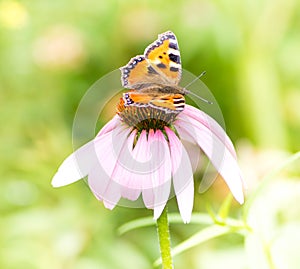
[164,240]
[269,256]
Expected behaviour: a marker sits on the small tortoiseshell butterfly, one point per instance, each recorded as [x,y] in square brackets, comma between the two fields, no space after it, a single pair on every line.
[153,78]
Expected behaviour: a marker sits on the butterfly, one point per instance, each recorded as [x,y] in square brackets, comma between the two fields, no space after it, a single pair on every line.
[153,78]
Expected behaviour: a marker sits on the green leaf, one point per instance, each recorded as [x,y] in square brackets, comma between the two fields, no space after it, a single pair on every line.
[135,224]
[198,238]
[175,218]
[225,207]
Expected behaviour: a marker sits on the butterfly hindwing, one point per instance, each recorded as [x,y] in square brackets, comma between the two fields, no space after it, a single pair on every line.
[170,103]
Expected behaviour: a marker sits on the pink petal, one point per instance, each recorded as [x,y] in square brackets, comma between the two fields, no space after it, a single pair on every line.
[191,112]
[108,147]
[216,147]
[112,195]
[76,166]
[147,192]
[103,187]
[162,192]
[125,172]
[182,176]
[98,181]
[192,149]
[141,168]
[209,177]
[157,191]
[80,162]
[112,124]
[193,152]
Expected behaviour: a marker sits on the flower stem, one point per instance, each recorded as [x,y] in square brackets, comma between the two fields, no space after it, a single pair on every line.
[164,240]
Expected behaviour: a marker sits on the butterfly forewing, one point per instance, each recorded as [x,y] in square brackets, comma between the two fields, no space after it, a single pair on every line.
[164,56]
[138,73]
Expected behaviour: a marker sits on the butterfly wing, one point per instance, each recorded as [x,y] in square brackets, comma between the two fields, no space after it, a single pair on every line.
[160,64]
[138,73]
[164,56]
[169,103]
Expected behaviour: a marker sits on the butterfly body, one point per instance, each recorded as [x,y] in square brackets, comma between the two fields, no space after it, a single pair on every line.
[153,80]
[157,89]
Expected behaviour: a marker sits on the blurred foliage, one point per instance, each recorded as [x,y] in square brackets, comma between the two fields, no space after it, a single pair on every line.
[52,51]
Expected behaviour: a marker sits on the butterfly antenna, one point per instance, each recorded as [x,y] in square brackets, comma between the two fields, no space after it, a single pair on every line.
[195,79]
[191,93]
[202,99]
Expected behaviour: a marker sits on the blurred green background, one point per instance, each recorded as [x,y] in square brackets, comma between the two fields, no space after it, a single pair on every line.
[51,52]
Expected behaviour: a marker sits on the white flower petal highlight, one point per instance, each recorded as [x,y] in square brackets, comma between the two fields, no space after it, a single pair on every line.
[76,166]
[182,176]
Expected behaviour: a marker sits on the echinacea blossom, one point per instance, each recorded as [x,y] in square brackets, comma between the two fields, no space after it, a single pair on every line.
[132,160]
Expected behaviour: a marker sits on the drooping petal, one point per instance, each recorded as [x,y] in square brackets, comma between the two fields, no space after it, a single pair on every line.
[182,176]
[125,173]
[98,181]
[147,182]
[139,169]
[216,147]
[162,192]
[80,162]
[156,195]
[192,149]
[191,112]
[113,189]
[103,187]
[193,152]
[111,125]
[141,165]
[108,147]
[76,166]
[112,195]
